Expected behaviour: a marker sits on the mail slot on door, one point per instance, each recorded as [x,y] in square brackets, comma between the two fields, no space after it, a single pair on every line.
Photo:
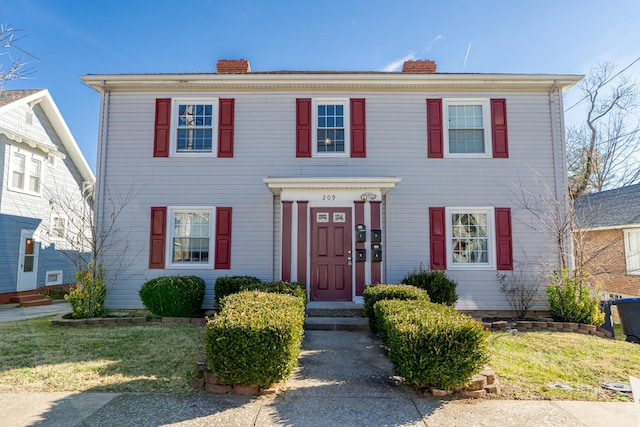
[376,236]
[361,233]
[361,255]
[376,252]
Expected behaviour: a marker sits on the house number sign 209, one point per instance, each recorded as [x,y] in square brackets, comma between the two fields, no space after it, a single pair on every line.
[328,197]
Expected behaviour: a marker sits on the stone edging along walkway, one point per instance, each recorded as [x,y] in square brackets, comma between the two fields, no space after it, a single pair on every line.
[62,320]
[548,325]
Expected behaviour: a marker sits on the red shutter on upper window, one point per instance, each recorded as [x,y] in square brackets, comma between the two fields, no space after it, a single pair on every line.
[434,129]
[162,128]
[225,127]
[223,238]
[499,128]
[358,128]
[437,239]
[303,127]
[504,245]
[158,237]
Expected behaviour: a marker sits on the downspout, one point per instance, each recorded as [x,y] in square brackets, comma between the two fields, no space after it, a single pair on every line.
[101,160]
[559,162]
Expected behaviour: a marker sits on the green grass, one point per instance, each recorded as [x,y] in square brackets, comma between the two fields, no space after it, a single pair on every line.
[527,362]
[35,356]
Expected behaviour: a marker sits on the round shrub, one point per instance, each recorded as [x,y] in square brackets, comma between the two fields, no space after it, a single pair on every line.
[232,285]
[173,296]
[373,294]
[440,288]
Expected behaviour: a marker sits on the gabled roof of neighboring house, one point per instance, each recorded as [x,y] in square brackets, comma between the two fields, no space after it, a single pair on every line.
[11,98]
[610,209]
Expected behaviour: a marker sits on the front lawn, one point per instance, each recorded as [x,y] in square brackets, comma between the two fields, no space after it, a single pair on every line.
[36,357]
[161,358]
[530,363]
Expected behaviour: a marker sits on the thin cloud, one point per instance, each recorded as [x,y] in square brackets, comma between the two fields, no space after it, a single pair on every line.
[397,64]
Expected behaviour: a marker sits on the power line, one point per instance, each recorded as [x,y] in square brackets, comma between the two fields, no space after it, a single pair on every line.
[605,83]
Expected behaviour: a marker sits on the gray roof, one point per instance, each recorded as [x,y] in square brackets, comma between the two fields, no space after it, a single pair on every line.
[9,96]
[611,208]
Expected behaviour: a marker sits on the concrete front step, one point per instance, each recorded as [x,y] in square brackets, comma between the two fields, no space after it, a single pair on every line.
[336,324]
[334,309]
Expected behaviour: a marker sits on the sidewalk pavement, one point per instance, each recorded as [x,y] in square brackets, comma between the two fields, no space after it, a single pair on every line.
[9,313]
[344,379]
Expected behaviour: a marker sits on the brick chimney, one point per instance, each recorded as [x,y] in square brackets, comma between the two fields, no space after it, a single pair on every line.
[419,66]
[230,66]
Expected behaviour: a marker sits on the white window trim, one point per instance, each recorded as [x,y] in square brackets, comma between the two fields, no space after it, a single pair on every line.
[66,227]
[627,251]
[486,122]
[345,102]
[491,238]
[57,282]
[28,157]
[171,211]
[173,143]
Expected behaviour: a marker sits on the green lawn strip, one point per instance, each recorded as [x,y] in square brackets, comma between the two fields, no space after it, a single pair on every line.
[528,362]
[37,357]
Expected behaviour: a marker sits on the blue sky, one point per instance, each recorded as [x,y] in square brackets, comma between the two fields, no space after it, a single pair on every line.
[71,38]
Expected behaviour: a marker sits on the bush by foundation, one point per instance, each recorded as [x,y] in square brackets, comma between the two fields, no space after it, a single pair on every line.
[173,296]
[373,294]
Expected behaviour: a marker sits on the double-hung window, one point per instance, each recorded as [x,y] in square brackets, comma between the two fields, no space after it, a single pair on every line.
[471,241]
[468,132]
[58,227]
[190,237]
[632,250]
[25,172]
[194,126]
[331,123]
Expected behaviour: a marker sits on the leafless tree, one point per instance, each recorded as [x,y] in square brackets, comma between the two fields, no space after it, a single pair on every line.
[12,66]
[601,151]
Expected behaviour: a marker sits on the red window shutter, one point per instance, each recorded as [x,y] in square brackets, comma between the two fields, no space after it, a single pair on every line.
[437,233]
[434,129]
[358,128]
[223,238]
[158,237]
[303,127]
[162,128]
[225,127]
[499,128]
[504,245]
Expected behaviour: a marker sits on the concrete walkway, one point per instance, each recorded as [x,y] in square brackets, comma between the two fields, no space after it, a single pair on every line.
[344,379]
[10,313]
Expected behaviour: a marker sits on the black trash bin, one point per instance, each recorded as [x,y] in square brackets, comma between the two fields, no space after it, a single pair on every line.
[629,311]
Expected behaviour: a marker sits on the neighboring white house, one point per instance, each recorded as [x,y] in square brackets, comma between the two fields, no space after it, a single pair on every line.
[43,174]
[336,179]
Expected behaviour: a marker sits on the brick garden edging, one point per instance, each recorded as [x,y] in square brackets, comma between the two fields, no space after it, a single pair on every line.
[63,320]
[207,381]
[548,325]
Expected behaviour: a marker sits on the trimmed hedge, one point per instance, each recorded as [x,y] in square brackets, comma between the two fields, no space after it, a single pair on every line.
[297,289]
[432,344]
[231,285]
[373,294]
[173,296]
[441,289]
[255,339]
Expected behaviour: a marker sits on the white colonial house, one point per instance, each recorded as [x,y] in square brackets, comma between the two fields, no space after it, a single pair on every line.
[335,179]
[43,199]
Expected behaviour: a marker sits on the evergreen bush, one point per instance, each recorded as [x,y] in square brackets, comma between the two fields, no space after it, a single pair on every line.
[373,294]
[298,289]
[173,296]
[231,285]
[87,296]
[432,344]
[255,339]
[571,299]
[441,289]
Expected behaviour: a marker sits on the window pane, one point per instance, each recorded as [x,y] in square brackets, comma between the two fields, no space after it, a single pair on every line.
[191,237]
[466,141]
[195,127]
[470,240]
[18,171]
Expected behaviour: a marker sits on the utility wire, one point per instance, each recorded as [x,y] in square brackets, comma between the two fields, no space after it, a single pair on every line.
[605,83]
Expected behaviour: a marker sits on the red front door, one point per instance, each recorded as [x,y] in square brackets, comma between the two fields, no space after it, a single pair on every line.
[331,254]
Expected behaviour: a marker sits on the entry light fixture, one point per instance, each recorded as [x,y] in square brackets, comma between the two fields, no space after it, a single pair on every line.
[367,196]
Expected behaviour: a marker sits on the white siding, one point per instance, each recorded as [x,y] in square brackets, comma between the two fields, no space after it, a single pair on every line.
[264,146]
